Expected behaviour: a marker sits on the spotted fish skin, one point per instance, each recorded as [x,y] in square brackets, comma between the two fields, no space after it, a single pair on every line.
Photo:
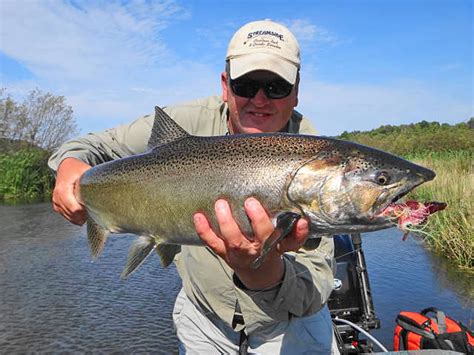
[339,186]
[164,187]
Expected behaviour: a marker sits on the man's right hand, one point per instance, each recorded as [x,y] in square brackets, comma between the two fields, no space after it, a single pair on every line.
[64,198]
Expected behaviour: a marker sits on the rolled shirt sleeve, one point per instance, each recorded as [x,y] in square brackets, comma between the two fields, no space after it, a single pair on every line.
[115,143]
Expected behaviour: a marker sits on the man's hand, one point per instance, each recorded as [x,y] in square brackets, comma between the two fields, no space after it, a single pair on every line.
[64,199]
[239,251]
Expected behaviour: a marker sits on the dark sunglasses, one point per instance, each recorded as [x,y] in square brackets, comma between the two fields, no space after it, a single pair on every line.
[273,89]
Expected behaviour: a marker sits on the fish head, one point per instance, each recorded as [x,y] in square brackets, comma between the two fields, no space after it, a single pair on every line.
[344,189]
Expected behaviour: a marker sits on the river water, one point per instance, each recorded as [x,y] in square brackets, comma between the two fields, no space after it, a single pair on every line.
[54,299]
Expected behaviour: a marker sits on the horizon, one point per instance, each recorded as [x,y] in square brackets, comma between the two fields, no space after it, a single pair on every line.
[364,64]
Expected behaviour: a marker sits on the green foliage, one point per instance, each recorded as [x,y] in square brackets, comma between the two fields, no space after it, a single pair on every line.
[448,150]
[29,131]
[450,232]
[24,175]
[422,137]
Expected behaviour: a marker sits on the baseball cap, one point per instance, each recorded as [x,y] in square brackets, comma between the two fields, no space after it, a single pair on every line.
[264,45]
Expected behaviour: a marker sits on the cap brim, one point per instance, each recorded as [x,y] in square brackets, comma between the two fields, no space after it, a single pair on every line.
[263,61]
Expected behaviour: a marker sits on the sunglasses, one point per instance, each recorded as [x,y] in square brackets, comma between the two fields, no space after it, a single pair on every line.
[273,89]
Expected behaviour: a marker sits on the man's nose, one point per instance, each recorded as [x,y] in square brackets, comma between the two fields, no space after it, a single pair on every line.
[260,99]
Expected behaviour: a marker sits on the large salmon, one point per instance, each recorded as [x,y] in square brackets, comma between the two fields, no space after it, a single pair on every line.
[341,187]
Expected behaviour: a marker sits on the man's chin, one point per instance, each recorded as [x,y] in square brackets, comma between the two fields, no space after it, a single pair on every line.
[259,127]
[253,130]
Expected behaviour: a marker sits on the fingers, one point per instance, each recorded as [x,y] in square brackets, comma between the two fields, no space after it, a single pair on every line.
[231,244]
[235,247]
[207,235]
[230,230]
[238,250]
[296,239]
[262,225]
[65,203]
[64,198]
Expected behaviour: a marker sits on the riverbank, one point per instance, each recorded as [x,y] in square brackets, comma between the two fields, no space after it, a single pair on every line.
[450,232]
[24,177]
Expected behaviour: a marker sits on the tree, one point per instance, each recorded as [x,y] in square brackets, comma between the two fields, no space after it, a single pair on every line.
[42,119]
[470,123]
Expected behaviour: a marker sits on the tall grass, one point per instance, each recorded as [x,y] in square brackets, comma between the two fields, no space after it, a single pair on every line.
[24,175]
[450,232]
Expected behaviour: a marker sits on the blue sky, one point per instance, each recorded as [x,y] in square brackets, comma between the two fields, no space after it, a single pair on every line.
[364,63]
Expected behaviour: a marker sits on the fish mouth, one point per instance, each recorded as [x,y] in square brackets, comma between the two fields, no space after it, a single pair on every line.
[422,176]
[378,211]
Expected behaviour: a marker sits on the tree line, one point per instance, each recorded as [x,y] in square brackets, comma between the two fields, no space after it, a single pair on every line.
[417,138]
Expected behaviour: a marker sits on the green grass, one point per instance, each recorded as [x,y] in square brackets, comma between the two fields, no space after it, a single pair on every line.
[24,175]
[450,232]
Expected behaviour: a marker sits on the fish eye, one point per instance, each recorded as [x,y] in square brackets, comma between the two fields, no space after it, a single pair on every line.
[382,178]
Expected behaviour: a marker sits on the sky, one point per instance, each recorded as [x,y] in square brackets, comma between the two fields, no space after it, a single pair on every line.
[365,63]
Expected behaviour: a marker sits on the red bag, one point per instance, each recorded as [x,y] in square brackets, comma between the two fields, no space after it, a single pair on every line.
[415,331]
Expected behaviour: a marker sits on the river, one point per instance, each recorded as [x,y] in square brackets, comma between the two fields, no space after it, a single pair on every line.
[54,299]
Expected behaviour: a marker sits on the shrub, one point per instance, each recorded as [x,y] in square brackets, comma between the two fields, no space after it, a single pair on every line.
[25,175]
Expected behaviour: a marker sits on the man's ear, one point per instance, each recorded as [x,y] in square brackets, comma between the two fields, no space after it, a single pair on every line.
[225,87]
[297,86]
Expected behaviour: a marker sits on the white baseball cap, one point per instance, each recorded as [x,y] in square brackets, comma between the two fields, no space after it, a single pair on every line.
[264,45]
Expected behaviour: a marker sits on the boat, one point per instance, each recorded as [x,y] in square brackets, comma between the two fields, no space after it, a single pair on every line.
[351,304]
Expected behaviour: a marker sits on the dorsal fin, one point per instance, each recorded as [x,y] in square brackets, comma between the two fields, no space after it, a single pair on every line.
[165,129]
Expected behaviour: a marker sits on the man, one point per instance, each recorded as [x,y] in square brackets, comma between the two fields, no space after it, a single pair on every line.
[225,306]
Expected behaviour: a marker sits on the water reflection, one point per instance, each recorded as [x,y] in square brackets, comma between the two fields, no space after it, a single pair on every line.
[55,299]
[461,282]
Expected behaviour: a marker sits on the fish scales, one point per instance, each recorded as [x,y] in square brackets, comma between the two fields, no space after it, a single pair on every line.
[339,186]
[207,169]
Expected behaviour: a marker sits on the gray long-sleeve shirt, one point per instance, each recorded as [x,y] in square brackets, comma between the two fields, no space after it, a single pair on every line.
[207,279]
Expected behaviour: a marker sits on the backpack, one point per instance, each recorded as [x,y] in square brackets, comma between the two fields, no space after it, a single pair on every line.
[415,331]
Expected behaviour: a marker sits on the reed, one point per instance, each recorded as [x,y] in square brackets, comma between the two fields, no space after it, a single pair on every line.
[24,175]
[450,232]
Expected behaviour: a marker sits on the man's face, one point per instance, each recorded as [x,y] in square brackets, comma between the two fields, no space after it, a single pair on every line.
[258,114]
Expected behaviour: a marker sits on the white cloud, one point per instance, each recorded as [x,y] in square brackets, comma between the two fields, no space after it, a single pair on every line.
[306,31]
[108,58]
[105,108]
[59,41]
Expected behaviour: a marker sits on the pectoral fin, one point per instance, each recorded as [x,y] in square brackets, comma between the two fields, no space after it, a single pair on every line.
[96,235]
[139,251]
[284,224]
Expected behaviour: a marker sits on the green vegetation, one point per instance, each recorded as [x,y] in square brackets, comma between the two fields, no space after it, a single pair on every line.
[448,150]
[450,232]
[29,131]
[24,175]
[422,137]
